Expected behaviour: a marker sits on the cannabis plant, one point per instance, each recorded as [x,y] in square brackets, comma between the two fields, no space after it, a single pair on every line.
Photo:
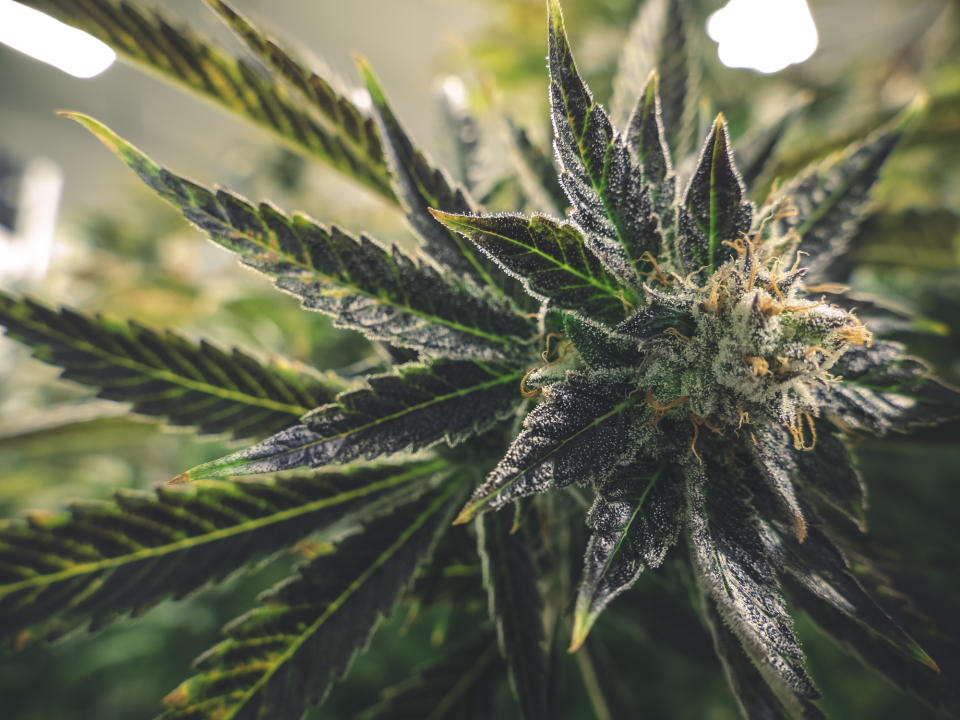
[660,360]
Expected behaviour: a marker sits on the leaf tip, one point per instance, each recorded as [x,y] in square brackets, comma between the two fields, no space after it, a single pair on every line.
[180,479]
[581,628]
[465,516]
[178,697]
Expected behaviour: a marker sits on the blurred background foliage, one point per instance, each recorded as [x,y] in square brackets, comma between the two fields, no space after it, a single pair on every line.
[121,251]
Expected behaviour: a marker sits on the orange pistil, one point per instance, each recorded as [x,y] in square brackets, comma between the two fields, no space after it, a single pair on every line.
[856,335]
[672,331]
[797,430]
[661,409]
[657,272]
[760,365]
[697,421]
[835,288]
[524,392]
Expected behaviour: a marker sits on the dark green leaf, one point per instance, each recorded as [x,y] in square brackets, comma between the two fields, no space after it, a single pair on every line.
[415,407]
[828,474]
[282,657]
[831,196]
[517,609]
[712,212]
[164,375]
[645,136]
[421,186]
[549,256]
[874,650]
[736,568]
[602,179]
[818,568]
[881,316]
[658,41]
[385,295]
[883,390]
[576,436]
[337,136]
[775,459]
[106,558]
[635,518]
[459,686]
[755,699]
[597,346]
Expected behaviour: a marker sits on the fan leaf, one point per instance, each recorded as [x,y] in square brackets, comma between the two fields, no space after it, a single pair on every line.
[736,568]
[635,518]
[577,436]
[456,687]
[883,390]
[164,375]
[517,609]
[338,136]
[830,197]
[549,256]
[602,179]
[385,295]
[415,407]
[105,558]
[282,657]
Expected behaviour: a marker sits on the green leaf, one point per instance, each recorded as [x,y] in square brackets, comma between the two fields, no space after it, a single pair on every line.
[883,390]
[576,436]
[882,317]
[712,211]
[828,475]
[549,256]
[517,609]
[774,458]
[385,295]
[339,135]
[105,558]
[282,657]
[737,569]
[635,518]
[755,699]
[645,137]
[413,408]
[420,185]
[658,40]
[818,568]
[458,686]
[875,651]
[597,346]
[162,374]
[603,181]
[831,198]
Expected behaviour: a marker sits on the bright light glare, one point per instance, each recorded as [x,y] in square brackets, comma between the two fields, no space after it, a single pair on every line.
[40,36]
[764,35]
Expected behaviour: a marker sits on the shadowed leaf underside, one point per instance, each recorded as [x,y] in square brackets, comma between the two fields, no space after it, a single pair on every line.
[282,657]
[164,375]
[103,559]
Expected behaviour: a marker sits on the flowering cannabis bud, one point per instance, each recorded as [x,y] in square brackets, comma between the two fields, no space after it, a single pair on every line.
[668,346]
